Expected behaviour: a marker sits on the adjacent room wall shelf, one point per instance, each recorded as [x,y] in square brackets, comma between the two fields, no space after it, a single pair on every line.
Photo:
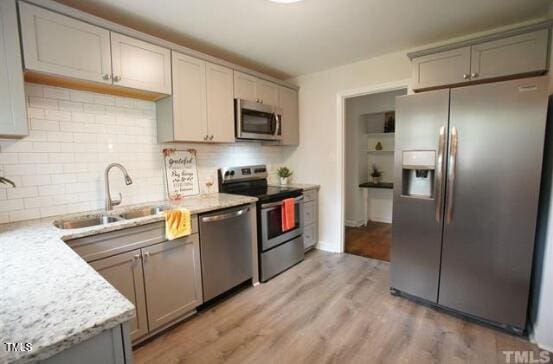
[379,151]
[387,185]
[380,134]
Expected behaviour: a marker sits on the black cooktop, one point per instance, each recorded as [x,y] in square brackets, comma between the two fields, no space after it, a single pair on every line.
[263,193]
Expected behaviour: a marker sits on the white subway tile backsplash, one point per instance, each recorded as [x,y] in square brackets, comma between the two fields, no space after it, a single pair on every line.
[74,135]
[56,93]
[43,103]
[21,192]
[36,180]
[42,124]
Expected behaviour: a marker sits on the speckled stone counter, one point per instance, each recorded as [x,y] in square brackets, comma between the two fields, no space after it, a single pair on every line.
[53,299]
[303,186]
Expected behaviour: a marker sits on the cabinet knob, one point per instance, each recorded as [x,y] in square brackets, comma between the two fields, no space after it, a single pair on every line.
[466,76]
[211,137]
[106,77]
[260,101]
[205,137]
[474,75]
[116,78]
[146,254]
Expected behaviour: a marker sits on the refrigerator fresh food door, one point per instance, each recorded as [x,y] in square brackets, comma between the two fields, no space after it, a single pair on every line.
[492,193]
[420,139]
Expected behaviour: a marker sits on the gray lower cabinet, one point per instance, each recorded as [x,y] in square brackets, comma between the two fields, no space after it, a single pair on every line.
[161,278]
[172,277]
[109,347]
[13,114]
[310,219]
[124,272]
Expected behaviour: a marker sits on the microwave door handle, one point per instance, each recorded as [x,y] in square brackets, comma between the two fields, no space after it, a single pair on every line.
[277,123]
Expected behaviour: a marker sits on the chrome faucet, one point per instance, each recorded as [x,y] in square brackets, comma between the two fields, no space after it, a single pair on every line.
[6,181]
[109,202]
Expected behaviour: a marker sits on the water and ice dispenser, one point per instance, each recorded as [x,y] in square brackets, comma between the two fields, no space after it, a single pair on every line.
[418,168]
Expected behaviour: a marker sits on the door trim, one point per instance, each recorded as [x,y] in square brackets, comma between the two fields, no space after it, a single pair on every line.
[341,98]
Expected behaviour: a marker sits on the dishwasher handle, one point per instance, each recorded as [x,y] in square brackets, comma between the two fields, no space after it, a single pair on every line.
[225,216]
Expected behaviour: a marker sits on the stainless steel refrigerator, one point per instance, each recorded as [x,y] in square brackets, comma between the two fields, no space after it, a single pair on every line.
[467,176]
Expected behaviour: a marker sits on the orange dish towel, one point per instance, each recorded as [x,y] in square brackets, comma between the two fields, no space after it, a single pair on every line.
[288,211]
[177,223]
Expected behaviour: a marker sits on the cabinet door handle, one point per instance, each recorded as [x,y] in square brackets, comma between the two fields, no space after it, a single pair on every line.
[146,254]
[106,77]
[205,137]
[474,75]
[116,78]
[211,137]
[466,76]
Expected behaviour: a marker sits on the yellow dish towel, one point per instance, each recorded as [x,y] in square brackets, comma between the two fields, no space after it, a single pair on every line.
[177,223]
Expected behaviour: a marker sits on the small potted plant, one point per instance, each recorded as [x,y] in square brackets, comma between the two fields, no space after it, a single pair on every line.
[376,174]
[284,173]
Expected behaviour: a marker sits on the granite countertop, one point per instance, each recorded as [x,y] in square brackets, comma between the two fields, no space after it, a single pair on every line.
[303,186]
[52,298]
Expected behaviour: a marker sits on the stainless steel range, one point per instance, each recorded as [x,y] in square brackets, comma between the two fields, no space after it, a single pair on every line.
[278,249]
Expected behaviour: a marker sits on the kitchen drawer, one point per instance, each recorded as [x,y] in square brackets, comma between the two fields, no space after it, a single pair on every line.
[310,234]
[309,212]
[99,246]
[310,195]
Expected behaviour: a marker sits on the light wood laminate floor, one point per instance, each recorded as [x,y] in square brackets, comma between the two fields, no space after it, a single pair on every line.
[331,308]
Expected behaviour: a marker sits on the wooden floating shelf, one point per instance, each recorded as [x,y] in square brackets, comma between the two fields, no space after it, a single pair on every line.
[380,134]
[379,151]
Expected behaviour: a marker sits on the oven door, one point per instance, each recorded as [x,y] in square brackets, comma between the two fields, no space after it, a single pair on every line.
[271,224]
[256,121]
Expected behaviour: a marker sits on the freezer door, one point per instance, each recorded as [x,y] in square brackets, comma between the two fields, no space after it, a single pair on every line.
[492,198]
[417,220]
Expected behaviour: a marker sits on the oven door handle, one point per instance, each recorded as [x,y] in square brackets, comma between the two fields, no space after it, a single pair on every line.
[275,204]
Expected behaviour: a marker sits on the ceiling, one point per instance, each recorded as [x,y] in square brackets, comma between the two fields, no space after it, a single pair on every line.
[287,40]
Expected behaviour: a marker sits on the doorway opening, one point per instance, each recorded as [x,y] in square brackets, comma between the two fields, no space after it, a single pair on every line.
[369,125]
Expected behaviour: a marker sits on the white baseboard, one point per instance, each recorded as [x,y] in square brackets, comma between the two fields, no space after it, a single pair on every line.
[328,247]
[354,223]
[383,219]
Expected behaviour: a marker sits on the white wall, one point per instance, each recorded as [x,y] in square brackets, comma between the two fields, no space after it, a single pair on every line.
[359,119]
[542,310]
[74,135]
[315,160]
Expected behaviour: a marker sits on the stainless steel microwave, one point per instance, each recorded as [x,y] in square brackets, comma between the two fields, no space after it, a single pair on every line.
[255,121]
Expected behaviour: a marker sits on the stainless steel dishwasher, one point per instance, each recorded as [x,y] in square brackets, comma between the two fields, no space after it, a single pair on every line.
[225,249]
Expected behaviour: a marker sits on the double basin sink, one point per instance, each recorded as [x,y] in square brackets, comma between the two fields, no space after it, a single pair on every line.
[89,221]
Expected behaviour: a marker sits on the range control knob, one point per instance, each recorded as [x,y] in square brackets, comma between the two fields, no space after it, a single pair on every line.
[231,173]
[227,173]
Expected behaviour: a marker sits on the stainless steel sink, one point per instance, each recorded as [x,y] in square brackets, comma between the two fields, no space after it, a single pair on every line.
[81,222]
[147,211]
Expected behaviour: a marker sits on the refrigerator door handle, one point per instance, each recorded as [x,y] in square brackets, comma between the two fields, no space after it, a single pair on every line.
[439,176]
[451,173]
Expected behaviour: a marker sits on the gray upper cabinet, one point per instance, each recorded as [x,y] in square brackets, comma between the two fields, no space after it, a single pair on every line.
[172,276]
[525,53]
[124,272]
[201,108]
[13,115]
[255,89]
[140,65]
[444,68]
[288,104]
[57,44]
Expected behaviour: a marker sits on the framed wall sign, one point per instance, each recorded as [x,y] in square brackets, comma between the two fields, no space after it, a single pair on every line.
[181,173]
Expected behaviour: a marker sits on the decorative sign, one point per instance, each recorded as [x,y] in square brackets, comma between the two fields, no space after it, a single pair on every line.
[181,173]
